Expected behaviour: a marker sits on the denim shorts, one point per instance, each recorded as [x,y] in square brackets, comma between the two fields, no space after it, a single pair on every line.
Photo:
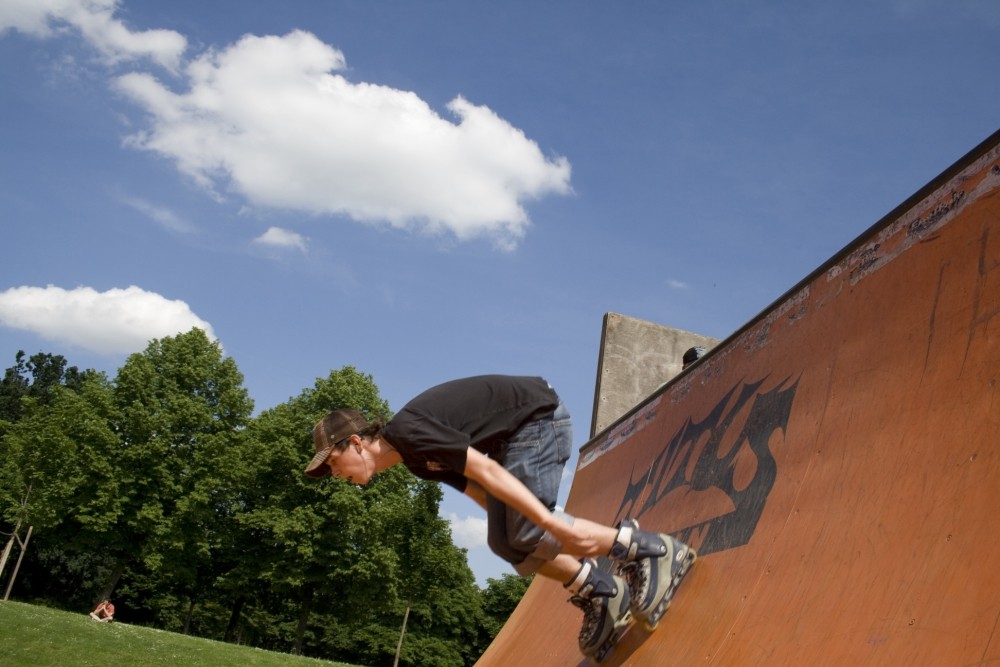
[536,455]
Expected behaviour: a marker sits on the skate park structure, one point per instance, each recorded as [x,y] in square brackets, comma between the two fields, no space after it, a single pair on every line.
[835,462]
[637,357]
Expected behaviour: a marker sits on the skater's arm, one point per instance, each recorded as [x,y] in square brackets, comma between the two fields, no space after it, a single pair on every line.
[499,483]
[475,491]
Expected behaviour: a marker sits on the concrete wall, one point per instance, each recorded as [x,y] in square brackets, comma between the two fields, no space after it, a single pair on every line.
[636,358]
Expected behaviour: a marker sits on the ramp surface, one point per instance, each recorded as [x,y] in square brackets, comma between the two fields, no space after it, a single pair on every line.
[836,462]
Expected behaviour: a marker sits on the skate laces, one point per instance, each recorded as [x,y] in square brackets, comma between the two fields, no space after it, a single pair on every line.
[637,575]
[592,613]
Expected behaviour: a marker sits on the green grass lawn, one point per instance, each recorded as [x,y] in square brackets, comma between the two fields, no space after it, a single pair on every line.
[33,636]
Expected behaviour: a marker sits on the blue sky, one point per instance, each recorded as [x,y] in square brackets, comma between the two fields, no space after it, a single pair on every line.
[429,190]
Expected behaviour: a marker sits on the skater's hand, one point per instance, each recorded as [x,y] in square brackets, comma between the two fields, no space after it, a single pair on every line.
[577,539]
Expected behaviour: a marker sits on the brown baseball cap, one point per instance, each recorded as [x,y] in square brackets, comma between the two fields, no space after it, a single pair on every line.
[331,429]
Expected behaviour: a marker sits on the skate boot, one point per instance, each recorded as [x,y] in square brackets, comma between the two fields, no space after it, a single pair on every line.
[653,564]
[605,601]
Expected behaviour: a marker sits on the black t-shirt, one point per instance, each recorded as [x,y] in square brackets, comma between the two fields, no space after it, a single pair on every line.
[434,431]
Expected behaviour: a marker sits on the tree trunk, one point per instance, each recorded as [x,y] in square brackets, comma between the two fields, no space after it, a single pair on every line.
[304,610]
[112,581]
[234,619]
[188,615]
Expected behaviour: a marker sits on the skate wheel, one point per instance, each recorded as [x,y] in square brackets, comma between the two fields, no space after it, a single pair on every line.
[654,619]
[688,561]
[601,653]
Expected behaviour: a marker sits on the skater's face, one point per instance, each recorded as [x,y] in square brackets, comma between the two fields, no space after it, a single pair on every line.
[354,463]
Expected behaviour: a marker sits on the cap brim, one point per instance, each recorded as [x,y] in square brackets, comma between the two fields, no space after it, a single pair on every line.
[317,466]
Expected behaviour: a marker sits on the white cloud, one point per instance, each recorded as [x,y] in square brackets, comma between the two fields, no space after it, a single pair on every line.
[468,532]
[118,321]
[162,216]
[94,19]
[271,119]
[268,118]
[677,284]
[276,237]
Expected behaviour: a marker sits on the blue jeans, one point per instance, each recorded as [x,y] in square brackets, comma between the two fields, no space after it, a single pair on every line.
[535,455]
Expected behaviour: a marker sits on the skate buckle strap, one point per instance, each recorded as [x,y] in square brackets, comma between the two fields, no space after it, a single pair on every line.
[624,547]
[577,584]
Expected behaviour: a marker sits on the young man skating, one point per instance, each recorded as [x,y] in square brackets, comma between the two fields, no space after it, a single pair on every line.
[503,441]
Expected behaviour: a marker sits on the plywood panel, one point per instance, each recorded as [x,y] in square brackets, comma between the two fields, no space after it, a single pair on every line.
[836,462]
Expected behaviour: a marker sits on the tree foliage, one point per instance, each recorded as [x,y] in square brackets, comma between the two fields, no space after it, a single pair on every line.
[34,377]
[161,489]
[500,598]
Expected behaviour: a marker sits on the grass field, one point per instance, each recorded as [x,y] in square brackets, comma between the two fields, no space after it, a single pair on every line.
[33,636]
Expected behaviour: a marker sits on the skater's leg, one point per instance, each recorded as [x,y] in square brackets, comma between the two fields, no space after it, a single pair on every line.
[535,455]
[562,569]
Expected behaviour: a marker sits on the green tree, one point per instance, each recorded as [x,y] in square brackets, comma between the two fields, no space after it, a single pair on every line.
[184,411]
[58,475]
[499,599]
[350,559]
[34,377]
[163,481]
[299,531]
[436,584]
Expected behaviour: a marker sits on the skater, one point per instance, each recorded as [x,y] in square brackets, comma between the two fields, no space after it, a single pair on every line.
[503,441]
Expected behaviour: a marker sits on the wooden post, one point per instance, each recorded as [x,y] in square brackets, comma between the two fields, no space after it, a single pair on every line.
[8,547]
[399,646]
[17,566]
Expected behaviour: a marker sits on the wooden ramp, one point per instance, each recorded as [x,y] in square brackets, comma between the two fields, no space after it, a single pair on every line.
[836,462]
